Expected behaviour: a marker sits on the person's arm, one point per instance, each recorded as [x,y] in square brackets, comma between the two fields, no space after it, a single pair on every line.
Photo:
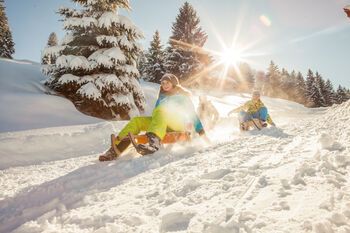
[236,110]
[160,97]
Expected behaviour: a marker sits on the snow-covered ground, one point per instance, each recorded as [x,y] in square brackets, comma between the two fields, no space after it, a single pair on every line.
[23,105]
[293,178]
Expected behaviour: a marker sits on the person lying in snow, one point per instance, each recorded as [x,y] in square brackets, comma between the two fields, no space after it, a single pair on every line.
[207,112]
[173,111]
[253,109]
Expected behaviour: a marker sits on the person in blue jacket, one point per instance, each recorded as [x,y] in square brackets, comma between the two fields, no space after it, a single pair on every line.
[174,111]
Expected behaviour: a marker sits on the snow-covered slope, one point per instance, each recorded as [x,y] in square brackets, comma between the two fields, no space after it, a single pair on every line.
[23,104]
[294,178]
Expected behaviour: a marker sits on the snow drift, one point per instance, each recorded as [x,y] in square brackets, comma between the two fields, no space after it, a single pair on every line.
[24,104]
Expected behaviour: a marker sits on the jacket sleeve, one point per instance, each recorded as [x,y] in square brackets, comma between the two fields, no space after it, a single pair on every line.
[160,97]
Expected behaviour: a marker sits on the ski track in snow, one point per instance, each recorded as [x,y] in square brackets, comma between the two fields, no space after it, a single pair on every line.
[294,179]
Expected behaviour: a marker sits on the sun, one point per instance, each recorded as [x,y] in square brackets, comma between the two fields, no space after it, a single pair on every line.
[231,56]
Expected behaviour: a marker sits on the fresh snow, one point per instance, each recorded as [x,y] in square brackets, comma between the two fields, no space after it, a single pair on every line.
[24,104]
[84,22]
[90,91]
[293,178]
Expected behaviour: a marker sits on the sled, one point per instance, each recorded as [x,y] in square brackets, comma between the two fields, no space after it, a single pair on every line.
[170,137]
[252,124]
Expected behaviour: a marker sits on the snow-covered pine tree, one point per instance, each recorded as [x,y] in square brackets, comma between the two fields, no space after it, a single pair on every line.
[185,56]
[154,68]
[292,86]
[321,88]
[329,93]
[6,43]
[96,61]
[341,95]
[141,63]
[273,80]
[309,83]
[285,88]
[300,92]
[312,91]
[52,41]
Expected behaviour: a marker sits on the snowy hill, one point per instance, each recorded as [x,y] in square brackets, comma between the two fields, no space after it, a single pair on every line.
[294,178]
[23,104]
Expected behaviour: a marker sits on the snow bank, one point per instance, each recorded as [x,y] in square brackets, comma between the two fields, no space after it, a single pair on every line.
[24,103]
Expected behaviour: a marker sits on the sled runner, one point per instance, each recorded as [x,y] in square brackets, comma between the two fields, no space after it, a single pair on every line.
[170,137]
[138,141]
[116,150]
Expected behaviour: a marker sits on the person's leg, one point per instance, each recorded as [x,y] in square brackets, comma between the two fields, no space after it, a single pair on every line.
[163,120]
[135,126]
[158,124]
[243,116]
[263,113]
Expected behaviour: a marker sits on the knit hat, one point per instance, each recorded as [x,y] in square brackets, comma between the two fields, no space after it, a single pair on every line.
[256,93]
[171,78]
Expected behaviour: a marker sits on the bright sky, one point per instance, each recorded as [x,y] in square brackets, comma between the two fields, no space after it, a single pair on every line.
[298,34]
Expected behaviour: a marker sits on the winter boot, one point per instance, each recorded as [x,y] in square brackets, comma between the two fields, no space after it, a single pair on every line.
[108,155]
[115,151]
[152,146]
[243,126]
[263,124]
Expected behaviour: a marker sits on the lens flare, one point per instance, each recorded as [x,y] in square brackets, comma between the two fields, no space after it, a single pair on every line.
[265,20]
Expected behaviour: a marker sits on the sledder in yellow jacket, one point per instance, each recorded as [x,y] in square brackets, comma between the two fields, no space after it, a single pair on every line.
[254,109]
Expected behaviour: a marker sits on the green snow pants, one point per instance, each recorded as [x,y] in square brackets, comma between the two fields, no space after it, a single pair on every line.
[160,121]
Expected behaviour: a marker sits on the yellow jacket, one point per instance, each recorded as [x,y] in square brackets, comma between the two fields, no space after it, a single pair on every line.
[253,106]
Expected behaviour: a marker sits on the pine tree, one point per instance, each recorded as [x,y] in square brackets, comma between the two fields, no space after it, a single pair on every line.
[96,62]
[320,83]
[52,41]
[141,64]
[154,69]
[185,56]
[50,58]
[329,94]
[300,92]
[6,43]
[312,91]
[342,95]
[273,80]
[287,82]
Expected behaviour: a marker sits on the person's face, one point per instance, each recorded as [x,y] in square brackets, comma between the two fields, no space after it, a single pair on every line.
[256,97]
[166,85]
